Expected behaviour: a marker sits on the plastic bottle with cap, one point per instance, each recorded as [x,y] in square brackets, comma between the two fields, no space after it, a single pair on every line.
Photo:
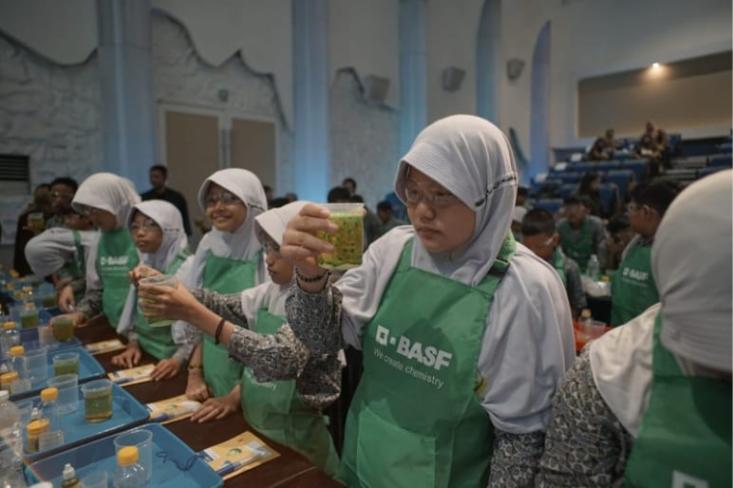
[17,361]
[37,426]
[7,379]
[69,478]
[9,337]
[130,474]
[11,449]
[49,396]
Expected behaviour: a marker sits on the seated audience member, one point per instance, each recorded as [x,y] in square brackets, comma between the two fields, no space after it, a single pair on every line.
[522,197]
[160,191]
[649,404]
[540,235]
[599,151]
[349,184]
[518,214]
[371,222]
[62,193]
[589,187]
[338,194]
[26,229]
[581,235]
[619,235]
[387,221]
[633,289]
[611,142]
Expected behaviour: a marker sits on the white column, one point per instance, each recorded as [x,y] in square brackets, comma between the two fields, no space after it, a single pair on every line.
[413,71]
[311,73]
[128,103]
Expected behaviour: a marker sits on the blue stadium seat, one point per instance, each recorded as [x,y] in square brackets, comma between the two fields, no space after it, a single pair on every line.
[724,161]
[566,176]
[622,178]
[638,166]
[725,148]
[552,205]
[608,165]
[567,190]
[609,195]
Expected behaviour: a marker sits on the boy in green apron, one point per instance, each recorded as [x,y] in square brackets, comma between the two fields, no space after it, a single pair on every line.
[581,234]
[273,408]
[539,234]
[633,289]
[107,200]
[649,404]
[158,232]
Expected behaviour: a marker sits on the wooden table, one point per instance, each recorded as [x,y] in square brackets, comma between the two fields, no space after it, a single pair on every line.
[289,470]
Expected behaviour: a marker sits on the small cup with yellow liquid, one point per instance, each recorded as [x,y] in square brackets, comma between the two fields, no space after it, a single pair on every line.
[97,400]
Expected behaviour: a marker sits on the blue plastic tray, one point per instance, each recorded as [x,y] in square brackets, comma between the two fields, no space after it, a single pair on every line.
[89,369]
[127,412]
[174,463]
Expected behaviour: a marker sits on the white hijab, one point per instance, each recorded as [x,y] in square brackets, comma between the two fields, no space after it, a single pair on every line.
[242,244]
[691,263]
[472,159]
[273,222]
[50,250]
[169,219]
[109,192]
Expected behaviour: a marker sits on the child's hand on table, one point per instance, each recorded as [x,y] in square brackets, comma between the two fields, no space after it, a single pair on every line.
[217,408]
[129,357]
[165,369]
[196,388]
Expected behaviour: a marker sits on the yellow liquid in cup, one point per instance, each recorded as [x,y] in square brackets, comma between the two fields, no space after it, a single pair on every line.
[66,367]
[28,319]
[348,242]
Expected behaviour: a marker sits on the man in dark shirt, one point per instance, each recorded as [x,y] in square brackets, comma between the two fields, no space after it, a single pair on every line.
[158,176]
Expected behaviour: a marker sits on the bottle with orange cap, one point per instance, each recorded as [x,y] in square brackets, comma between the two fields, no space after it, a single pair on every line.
[37,426]
[17,361]
[48,406]
[130,473]
[9,337]
[7,379]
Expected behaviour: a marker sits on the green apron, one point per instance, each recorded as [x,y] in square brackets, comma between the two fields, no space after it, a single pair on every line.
[558,262]
[116,256]
[275,410]
[577,244]
[685,435]
[157,341]
[225,275]
[633,289]
[416,419]
[76,268]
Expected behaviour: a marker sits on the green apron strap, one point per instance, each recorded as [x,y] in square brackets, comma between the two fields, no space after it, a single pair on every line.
[633,289]
[685,435]
[116,256]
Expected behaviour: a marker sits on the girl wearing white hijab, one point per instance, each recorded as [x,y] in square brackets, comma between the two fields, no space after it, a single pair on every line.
[228,260]
[157,229]
[62,253]
[257,316]
[107,199]
[465,333]
[649,403]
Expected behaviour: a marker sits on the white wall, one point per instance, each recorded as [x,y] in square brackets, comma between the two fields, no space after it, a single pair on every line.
[452,34]
[590,38]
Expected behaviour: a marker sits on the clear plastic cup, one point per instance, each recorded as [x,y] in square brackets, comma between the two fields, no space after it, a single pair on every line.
[36,222]
[348,240]
[159,280]
[63,328]
[50,440]
[97,400]
[143,440]
[68,387]
[66,363]
[45,335]
[29,317]
[97,479]
[36,363]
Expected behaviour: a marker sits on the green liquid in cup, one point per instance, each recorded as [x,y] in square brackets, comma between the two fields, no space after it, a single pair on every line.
[28,319]
[63,329]
[98,406]
[66,367]
[348,242]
